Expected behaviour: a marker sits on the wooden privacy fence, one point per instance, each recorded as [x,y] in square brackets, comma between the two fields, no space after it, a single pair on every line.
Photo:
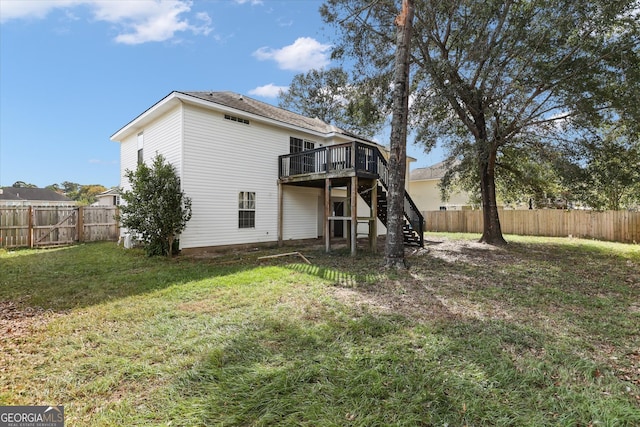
[44,226]
[615,226]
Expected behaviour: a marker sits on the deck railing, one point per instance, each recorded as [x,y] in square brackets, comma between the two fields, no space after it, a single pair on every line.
[334,158]
[353,156]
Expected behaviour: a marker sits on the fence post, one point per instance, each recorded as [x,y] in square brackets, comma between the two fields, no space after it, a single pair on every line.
[30,228]
[80,224]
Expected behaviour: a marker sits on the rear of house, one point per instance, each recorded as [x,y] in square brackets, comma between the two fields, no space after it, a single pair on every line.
[225,148]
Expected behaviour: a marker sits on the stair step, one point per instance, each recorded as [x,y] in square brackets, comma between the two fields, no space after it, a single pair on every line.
[410,236]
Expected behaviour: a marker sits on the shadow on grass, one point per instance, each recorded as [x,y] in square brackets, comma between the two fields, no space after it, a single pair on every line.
[377,370]
[89,274]
[337,276]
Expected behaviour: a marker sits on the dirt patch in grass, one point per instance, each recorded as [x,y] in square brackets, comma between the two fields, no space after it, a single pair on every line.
[17,320]
[408,298]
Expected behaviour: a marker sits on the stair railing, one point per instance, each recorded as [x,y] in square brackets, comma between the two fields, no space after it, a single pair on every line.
[411,211]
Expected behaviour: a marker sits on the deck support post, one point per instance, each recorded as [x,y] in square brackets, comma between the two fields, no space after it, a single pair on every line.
[354,214]
[280,213]
[347,214]
[327,214]
[373,222]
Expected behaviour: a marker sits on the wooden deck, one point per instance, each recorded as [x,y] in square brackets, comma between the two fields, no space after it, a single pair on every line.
[358,167]
[336,162]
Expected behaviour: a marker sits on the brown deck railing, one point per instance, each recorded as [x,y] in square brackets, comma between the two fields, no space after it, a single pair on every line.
[353,156]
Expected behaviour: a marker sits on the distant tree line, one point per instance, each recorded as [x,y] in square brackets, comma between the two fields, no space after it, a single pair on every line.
[81,194]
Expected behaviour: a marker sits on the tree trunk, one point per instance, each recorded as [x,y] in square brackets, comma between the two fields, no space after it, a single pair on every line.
[394,245]
[170,240]
[492,233]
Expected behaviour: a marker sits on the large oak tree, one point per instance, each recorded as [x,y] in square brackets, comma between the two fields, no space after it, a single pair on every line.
[488,75]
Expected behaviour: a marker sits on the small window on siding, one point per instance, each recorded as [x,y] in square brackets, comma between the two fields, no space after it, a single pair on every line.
[236,119]
[140,147]
[247,209]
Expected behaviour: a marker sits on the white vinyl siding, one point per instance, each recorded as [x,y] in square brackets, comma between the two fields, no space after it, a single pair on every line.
[300,212]
[221,159]
[162,136]
[128,158]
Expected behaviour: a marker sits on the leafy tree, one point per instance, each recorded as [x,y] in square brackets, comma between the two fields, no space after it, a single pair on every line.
[155,207]
[55,187]
[83,194]
[604,172]
[331,97]
[528,175]
[71,189]
[22,184]
[87,194]
[489,74]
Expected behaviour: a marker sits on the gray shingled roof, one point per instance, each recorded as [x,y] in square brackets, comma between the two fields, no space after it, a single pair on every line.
[436,171]
[252,106]
[19,193]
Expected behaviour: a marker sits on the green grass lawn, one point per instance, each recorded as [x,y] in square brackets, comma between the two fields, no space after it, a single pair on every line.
[545,332]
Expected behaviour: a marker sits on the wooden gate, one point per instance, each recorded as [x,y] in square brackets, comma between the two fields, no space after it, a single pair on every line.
[53,226]
[41,226]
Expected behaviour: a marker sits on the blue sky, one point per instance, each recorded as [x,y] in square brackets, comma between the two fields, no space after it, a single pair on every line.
[73,72]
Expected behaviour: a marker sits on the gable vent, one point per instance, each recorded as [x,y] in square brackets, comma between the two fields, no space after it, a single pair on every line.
[236,119]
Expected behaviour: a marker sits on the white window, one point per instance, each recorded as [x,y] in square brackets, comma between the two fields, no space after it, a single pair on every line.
[247,209]
[140,147]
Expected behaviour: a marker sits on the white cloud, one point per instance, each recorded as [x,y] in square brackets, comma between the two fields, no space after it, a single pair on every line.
[34,9]
[138,21]
[303,55]
[150,21]
[252,2]
[268,91]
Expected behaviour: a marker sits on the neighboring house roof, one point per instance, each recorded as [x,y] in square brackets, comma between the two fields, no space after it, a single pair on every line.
[33,194]
[109,192]
[230,101]
[436,171]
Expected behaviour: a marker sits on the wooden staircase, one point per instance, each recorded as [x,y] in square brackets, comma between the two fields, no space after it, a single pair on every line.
[412,236]
[342,161]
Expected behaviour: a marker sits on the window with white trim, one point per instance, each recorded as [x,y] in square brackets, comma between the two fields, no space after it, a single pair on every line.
[247,209]
[140,147]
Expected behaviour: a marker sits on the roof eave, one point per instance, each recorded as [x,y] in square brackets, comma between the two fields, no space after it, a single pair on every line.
[171,100]
[149,114]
